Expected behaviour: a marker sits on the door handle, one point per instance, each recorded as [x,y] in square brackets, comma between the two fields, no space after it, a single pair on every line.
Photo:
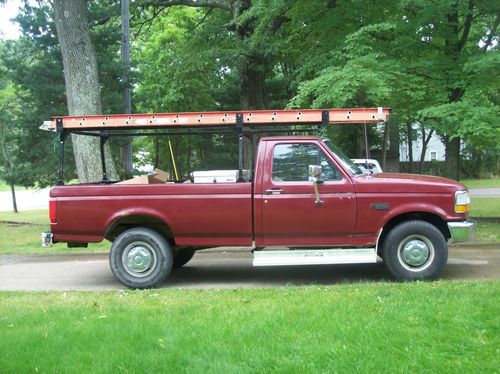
[273,191]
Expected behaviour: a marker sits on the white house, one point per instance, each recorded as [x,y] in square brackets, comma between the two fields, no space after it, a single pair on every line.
[435,148]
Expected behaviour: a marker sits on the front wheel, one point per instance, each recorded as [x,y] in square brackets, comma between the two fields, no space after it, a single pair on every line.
[140,258]
[415,250]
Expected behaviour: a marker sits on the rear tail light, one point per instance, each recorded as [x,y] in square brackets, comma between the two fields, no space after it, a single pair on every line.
[53,210]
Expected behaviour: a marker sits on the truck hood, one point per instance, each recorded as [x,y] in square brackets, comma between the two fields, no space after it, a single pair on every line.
[405,183]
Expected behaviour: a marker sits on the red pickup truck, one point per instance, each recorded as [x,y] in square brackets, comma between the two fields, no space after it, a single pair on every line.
[305,197]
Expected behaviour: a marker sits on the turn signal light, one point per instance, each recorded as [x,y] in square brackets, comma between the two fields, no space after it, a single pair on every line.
[462,202]
[462,208]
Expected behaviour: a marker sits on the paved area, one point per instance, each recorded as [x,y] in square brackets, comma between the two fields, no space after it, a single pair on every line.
[26,199]
[485,192]
[220,269]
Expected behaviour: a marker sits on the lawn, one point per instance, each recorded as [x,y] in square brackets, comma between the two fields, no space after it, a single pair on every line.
[481,183]
[384,327]
[485,207]
[20,233]
[5,187]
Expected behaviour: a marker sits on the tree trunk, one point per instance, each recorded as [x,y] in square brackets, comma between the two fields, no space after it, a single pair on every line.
[251,68]
[452,163]
[425,143]
[126,149]
[409,135]
[453,47]
[14,202]
[82,85]
[251,82]
[393,147]
[384,143]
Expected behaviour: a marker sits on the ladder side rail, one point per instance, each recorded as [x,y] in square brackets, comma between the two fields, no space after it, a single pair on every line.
[200,120]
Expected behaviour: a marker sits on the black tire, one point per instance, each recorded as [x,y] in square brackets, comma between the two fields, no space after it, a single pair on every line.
[415,250]
[183,256]
[140,258]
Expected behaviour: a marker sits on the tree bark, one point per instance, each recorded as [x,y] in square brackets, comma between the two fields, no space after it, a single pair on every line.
[425,143]
[452,162]
[251,82]
[14,202]
[409,135]
[453,47]
[126,149]
[384,144]
[393,146]
[82,85]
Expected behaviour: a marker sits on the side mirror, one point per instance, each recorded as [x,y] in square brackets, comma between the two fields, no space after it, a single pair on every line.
[315,173]
[315,177]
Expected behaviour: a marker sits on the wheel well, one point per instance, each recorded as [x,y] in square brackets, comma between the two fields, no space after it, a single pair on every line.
[433,219]
[128,222]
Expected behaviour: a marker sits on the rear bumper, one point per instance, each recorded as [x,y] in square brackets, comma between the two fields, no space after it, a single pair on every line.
[462,231]
[47,239]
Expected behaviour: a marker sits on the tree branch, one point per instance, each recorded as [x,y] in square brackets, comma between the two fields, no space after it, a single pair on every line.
[467,25]
[201,21]
[190,3]
[149,21]
[99,22]
[492,33]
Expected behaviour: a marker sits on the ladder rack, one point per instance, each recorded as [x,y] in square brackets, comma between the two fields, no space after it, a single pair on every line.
[218,119]
[239,122]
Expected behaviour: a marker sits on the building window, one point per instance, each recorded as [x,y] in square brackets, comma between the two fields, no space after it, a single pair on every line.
[434,156]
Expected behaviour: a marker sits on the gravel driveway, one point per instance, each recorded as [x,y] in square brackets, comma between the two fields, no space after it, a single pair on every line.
[220,269]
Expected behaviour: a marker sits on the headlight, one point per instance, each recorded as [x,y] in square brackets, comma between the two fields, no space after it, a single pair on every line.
[462,201]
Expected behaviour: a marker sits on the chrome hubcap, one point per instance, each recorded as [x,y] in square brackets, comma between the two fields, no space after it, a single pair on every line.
[139,259]
[416,253]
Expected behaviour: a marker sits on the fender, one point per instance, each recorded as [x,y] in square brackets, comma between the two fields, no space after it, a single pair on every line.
[370,221]
[154,213]
[416,207]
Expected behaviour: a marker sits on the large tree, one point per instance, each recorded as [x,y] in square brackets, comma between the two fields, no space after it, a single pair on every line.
[243,20]
[427,60]
[82,84]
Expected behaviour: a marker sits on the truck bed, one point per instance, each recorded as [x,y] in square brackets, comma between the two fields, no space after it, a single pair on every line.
[197,214]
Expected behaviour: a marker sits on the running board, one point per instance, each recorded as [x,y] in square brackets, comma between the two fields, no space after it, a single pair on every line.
[315,257]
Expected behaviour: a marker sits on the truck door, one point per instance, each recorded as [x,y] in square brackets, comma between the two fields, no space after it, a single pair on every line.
[290,215]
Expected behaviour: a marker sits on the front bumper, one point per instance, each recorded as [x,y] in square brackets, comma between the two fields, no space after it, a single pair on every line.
[47,239]
[462,231]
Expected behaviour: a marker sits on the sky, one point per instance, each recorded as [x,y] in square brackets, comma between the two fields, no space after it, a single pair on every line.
[9,30]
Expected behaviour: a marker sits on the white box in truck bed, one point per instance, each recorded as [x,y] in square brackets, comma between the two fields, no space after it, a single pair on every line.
[218,176]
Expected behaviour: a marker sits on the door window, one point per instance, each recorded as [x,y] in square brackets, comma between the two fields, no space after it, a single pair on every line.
[291,163]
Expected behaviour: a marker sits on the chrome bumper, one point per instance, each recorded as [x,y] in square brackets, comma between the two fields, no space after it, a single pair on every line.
[47,239]
[462,231]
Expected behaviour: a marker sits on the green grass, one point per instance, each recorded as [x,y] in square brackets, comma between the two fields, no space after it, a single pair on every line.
[440,327]
[485,207]
[4,186]
[488,232]
[22,235]
[481,183]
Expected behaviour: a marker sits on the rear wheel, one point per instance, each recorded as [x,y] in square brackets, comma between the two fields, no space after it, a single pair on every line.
[415,250]
[140,258]
[183,256]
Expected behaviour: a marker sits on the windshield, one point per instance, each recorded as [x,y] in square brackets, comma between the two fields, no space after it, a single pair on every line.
[346,161]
